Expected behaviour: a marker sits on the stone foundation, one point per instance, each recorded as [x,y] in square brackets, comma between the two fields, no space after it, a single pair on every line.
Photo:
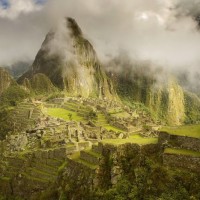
[182,161]
[184,142]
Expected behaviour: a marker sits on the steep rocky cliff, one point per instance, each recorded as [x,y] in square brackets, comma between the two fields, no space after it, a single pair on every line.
[5,80]
[70,62]
[167,101]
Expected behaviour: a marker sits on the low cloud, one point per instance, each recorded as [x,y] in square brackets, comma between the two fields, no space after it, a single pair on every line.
[162,32]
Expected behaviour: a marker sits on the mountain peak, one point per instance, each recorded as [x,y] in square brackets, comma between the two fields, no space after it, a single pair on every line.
[74,27]
[70,62]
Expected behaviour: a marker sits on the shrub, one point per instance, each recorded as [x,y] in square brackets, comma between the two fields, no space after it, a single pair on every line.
[13,95]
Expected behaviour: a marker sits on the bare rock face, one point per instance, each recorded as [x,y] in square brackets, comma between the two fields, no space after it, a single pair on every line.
[70,62]
[168,102]
[5,80]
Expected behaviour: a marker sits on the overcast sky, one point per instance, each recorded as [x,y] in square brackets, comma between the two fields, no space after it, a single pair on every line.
[163,31]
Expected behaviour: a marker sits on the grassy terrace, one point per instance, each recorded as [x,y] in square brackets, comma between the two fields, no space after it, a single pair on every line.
[89,151]
[112,128]
[136,139]
[182,152]
[4,179]
[120,114]
[189,130]
[64,114]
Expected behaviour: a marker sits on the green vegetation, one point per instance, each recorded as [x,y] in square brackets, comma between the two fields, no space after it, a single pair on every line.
[192,108]
[41,84]
[112,128]
[62,167]
[91,115]
[5,121]
[142,178]
[137,139]
[89,151]
[13,95]
[70,115]
[64,114]
[55,95]
[188,130]
[182,152]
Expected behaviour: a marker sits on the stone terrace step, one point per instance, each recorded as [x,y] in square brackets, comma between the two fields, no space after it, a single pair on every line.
[182,158]
[9,173]
[184,152]
[76,159]
[16,161]
[45,168]
[36,180]
[86,164]
[40,174]
[97,148]
[90,157]
[54,162]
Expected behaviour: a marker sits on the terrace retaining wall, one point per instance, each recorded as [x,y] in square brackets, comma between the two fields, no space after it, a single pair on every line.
[184,142]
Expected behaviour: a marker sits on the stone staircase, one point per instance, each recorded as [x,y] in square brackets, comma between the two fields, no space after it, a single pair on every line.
[101,120]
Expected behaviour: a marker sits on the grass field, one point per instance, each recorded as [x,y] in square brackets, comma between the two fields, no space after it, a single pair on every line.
[182,152]
[137,139]
[64,114]
[189,130]
[109,127]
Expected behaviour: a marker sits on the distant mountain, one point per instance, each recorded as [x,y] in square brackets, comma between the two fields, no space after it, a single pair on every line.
[162,93]
[70,62]
[19,68]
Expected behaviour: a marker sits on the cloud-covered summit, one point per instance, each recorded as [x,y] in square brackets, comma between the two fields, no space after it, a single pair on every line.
[163,31]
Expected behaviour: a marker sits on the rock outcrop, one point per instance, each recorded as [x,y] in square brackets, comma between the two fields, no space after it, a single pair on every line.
[40,84]
[5,80]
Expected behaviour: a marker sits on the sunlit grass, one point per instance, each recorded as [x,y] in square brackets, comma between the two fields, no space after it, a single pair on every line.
[109,127]
[121,114]
[182,152]
[64,114]
[136,139]
[189,130]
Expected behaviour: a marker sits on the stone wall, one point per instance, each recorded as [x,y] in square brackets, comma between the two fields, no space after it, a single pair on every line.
[150,149]
[77,181]
[90,158]
[182,161]
[98,148]
[83,145]
[59,153]
[179,141]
